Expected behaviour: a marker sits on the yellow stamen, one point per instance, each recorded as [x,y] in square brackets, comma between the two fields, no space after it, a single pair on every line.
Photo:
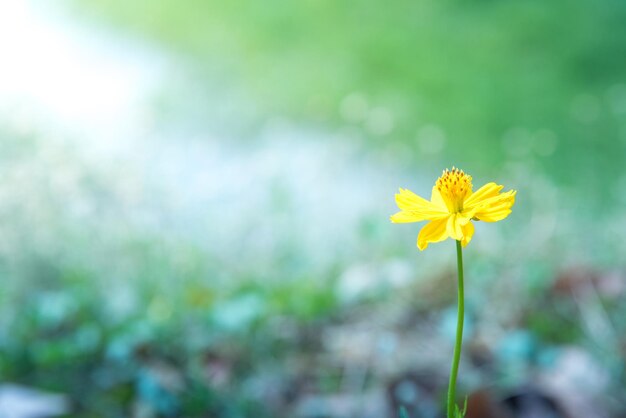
[454,185]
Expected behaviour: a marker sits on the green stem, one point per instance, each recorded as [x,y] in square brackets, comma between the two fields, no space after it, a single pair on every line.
[459,334]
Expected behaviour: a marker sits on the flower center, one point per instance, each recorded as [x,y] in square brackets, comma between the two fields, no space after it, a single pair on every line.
[454,185]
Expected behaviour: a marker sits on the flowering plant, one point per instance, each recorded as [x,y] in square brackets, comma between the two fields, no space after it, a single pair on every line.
[450,212]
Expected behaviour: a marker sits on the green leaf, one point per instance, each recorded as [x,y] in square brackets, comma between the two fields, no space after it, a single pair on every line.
[457,412]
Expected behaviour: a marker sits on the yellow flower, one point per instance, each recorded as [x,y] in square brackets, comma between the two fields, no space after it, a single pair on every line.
[452,207]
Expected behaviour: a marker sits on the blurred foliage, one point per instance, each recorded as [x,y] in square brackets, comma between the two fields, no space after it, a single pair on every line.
[231,305]
[124,318]
[499,78]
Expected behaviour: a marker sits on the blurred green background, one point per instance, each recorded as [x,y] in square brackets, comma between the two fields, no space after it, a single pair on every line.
[194,203]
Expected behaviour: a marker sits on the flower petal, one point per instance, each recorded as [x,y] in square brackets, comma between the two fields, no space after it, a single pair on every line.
[415,208]
[453,227]
[433,231]
[489,190]
[437,200]
[405,217]
[468,233]
[496,208]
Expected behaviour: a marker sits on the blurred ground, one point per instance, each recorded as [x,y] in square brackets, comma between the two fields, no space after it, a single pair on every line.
[194,203]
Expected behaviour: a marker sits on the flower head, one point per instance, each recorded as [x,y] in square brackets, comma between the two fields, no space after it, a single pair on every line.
[452,207]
